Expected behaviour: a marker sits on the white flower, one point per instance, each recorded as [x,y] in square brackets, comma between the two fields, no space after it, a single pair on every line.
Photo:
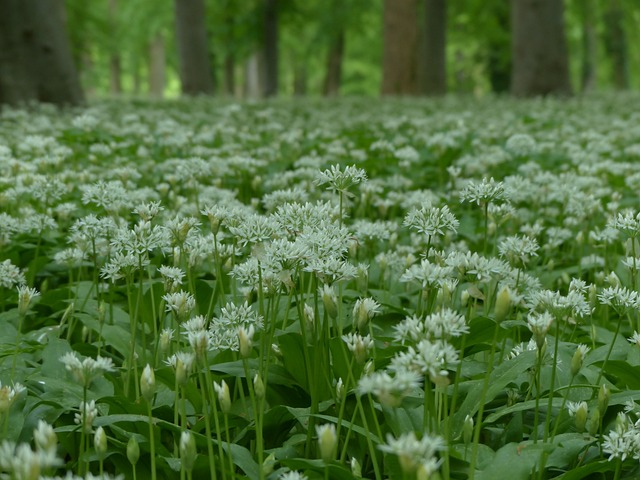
[413,452]
[341,181]
[390,390]
[85,371]
[432,220]
[485,192]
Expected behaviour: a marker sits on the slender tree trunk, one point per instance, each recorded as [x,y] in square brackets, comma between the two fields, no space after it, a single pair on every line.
[539,48]
[435,54]
[35,54]
[499,55]
[157,66]
[333,76]
[193,52]
[399,56]
[253,87]
[230,74]
[300,78]
[616,44]
[589,47]
[115,66]
[271,47]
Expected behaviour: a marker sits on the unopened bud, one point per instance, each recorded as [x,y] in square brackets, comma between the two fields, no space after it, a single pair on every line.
[188,451]
[467,429]
[356,469]
[100,442]
[581,416]
[258,386]
[148,383]
[133,451]
[224,398]
[503,304]
[330,301]
[269,464]
[245,339]
[603,399]
[613,280]
[327,441]
[594,422]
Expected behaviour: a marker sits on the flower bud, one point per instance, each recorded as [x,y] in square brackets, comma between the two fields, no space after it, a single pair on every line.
[613,280]
[165,341]
[576,361]
[258,386]
[503,304]
[464,298]
[45,438]
[603,399]
[581,416]
[100,442]
[327,441]
[224,398]
[188,451]
[245,339]
[309,316]
[330,301]
[133,451]
[268,464]
[339,389]
[148,383]
[356,469]
[25,295]
[467,430]
[369,368]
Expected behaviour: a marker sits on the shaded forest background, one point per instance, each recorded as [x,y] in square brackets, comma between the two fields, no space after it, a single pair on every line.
[261,48]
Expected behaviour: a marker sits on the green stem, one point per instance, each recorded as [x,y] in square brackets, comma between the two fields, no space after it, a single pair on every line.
[152,443]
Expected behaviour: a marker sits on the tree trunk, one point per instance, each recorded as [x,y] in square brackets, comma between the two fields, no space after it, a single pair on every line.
[333,76]
[193,53]
[230,74]
[539,48]
[115,66]
[399,56]
[589,47]
[35,55]
[499,50]
[616,45]
[435,54]
[300,78]
[157,66]
[253,87]
[270,47]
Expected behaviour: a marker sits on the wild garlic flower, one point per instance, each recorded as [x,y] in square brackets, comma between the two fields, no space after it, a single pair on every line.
[182,363]
[180,303]
[363,311]
[86,370]
[224,329]
[539,324]
[443,324]
[517,247]
[293,475]
[388,389]
[620,298]
[635,338]
[22,463]
[359,346]
[25,296]
[412,452]
[429,358]
[86,416]
[148,211]
[427,274]
[8,395]
[519,349]
[112,196]
[45,438]
[10,275]
[327,441]
[570,306]
[341,180]
[484,192]
[431,221]
[627,223]
[172,277]
[254,229]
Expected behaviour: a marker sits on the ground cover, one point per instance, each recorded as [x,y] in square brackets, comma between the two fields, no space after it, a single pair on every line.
[358,288]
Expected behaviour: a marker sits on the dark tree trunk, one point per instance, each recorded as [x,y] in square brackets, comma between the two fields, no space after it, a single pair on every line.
[616,45]
[300,78]
[499,54]
[157,66]
[539,48]
[230,74]
[399,55]
[333,76]
[435,38]
[35,55]
[589,47]
[270,48]
[193,52]
[115,65]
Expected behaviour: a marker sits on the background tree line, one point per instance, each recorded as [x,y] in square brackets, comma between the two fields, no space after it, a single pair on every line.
[59,51]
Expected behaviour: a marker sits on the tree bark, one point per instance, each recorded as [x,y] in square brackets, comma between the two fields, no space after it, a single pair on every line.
[499,50]
[270,48]
[399,56]
[157,66]
[300,78]
[35,54]
[333,76]
[193,52]
[539,48]
[616,45]
[115,65]
[230,74]
[589,47]
[435,55]
[253,86]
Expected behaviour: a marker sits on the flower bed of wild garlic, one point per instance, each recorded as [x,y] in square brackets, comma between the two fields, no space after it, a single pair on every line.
[400,289]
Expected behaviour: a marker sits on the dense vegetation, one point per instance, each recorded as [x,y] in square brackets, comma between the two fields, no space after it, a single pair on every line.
[385,289]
